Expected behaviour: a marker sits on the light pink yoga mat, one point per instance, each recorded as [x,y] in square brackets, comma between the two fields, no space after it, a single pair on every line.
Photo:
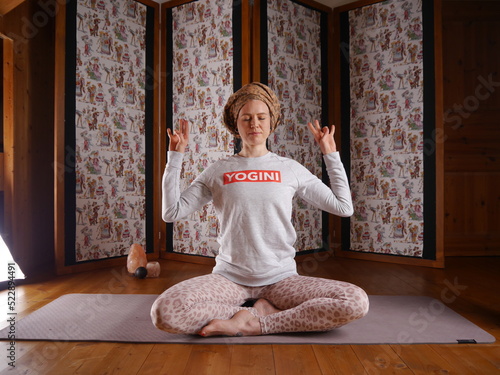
[125,318]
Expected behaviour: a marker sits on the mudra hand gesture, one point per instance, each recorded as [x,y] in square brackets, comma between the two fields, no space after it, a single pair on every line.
[323,136]
[178,139]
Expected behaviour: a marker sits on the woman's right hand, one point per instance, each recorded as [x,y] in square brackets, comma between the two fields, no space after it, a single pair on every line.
[323,136]
[178,139]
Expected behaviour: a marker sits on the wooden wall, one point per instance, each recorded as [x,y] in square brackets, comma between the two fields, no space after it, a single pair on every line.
[471,61]
[31,180]
[471,36]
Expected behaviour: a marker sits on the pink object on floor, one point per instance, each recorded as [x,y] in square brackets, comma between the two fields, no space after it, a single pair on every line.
[136,258]
[153,269]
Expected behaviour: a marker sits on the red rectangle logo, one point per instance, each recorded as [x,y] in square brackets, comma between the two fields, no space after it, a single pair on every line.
[252,176]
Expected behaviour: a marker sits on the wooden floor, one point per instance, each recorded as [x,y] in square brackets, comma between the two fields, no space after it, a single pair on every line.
[470,284]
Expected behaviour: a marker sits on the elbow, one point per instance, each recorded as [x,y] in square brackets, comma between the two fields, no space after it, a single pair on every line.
[167,219]
[174,212]
[346,211]
[169,216]
[341,208]
[349,212]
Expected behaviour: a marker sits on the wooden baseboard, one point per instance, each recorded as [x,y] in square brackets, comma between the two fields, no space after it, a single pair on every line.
[98,264]
[472,246]
[197,259]
[438,263]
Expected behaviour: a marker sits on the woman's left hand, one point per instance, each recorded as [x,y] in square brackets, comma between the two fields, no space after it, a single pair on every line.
[179,139]
[323,136]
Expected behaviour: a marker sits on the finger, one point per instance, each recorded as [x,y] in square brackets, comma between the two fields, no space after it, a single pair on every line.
[179,135]
[316,126]
[332,129]
[182,126]
[312,128]
[176,136]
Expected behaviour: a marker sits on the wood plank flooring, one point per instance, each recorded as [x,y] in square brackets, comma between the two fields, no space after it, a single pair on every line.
[467,285]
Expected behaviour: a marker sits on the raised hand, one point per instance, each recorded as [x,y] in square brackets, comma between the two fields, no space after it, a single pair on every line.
[323,136]
[178,139]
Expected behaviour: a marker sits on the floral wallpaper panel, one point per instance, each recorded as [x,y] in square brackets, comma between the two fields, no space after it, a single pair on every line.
[202,82]
[295,74]
[110,127]
[386,132]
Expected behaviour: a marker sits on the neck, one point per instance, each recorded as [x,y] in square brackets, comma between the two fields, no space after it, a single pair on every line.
[253,152]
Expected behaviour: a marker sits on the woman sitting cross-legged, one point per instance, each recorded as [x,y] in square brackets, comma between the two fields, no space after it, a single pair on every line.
[252,193]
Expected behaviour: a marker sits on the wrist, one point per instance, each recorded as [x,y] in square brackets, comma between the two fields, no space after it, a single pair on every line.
[177,149]
[328,150]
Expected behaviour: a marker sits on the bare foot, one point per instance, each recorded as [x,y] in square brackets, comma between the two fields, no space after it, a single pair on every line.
[243,323]
[264,307]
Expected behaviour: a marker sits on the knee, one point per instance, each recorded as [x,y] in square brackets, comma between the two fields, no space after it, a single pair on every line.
[361,301]
[162,316]
[158,316]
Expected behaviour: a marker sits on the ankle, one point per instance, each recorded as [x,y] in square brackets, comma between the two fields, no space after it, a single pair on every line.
[264,307]
[252,327]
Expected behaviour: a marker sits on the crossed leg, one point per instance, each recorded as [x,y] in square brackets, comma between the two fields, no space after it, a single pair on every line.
[192,304]
[211,305]
[312,304]
[243,323]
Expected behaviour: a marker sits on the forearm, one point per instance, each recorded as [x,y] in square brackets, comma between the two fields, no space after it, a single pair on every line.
[177,205]
[171,187]
[339,185]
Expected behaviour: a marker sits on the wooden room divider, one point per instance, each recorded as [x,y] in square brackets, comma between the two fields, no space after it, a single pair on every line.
[212,49]
[389,101]
[107,123]
[122,81]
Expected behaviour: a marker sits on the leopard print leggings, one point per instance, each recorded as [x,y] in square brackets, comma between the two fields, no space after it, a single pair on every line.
[308,304]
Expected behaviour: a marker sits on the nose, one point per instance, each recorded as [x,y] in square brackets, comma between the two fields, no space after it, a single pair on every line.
[254,122]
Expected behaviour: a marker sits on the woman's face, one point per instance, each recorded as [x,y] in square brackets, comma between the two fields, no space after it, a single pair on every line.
[254,123]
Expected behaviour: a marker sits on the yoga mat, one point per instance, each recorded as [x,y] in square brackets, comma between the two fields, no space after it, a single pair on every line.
[125,318]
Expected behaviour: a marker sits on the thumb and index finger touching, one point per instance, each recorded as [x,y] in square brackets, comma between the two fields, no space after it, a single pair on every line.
[178,138]
[319,131]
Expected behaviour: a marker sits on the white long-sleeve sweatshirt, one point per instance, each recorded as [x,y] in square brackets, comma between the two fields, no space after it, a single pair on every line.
[253,201]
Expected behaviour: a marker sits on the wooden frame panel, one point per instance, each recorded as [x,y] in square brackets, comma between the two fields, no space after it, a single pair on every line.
[60,156]
[183,23]
[471,127]
[7,5]
[251,70]
[7,157]
[304,87]
[340,53]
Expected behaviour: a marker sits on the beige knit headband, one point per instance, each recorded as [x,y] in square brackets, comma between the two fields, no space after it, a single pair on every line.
[255,91]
